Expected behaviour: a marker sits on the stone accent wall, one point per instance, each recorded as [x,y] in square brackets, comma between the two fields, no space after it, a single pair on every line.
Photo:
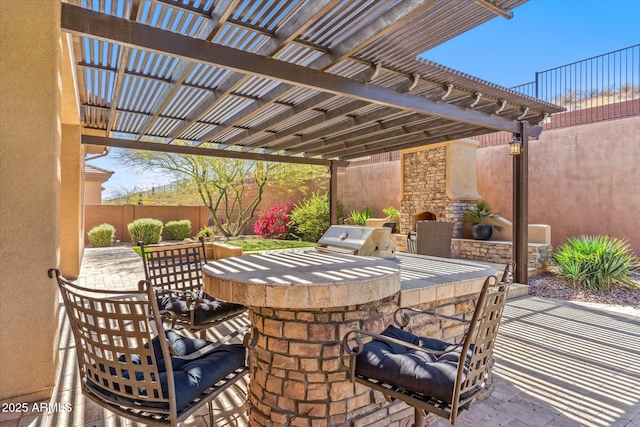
[425,189]
[539,255]
[301,368]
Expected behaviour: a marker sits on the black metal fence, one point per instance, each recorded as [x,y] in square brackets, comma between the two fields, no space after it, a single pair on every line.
[603,87]
[600,88]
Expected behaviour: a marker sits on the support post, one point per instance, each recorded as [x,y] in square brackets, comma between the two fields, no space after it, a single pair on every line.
[521,206]
[333,193]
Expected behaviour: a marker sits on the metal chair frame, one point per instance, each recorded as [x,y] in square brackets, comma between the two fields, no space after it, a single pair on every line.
[472,376]
[411,242]
[113,332]
[176,269]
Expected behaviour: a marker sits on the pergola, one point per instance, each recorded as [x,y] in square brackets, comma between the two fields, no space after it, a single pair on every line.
[318,81]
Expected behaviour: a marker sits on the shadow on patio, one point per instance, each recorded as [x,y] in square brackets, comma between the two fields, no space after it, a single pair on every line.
[557,364]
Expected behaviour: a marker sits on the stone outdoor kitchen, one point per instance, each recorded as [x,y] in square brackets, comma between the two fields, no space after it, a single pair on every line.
[304,304]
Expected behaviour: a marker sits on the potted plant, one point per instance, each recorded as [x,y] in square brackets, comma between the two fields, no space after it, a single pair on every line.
[477,217]
[393,215]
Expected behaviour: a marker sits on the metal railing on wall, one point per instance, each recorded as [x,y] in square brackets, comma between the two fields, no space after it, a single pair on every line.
[603,87]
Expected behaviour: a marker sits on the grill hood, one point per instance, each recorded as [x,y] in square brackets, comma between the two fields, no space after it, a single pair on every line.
[357,240]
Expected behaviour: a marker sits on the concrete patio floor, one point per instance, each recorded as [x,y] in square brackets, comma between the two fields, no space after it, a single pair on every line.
[558,364]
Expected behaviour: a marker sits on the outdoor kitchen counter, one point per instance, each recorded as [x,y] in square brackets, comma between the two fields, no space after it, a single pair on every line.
[301,280]
[302,304]
[432,280]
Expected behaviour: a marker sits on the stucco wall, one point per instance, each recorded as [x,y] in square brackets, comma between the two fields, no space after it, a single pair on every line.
[582,180]
[71,209]
[121,215]
[92,192]
[30,137]
[375,186]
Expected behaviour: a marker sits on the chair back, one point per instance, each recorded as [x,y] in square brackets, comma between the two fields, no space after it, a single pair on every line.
[113,331]
[480,339]
[174,269]
[434,238]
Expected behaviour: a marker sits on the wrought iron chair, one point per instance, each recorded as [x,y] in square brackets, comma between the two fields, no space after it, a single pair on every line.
[132,366]
[411,242]
[175,271]
[426,373]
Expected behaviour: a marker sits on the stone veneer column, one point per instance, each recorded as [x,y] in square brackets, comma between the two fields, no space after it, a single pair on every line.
[301,378]
[440,179]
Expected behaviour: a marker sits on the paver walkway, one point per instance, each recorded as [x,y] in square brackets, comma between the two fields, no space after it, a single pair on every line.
[558,364]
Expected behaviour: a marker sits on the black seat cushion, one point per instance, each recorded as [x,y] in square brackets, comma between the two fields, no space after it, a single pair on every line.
[412,370]
[191,377]
[209,310]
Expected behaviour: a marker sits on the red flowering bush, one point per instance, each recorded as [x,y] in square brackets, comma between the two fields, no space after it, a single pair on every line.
[273,222]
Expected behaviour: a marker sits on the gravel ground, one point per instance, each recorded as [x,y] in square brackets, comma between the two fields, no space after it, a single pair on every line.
[548,285]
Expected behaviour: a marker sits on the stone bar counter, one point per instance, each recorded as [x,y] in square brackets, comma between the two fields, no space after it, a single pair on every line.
[302,305]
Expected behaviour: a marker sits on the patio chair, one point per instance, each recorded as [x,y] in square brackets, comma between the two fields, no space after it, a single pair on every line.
[426,373]
[434,238]
[175,271]
[130,365]
[411,242]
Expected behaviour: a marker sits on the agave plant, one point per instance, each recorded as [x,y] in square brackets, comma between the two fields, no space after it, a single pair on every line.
[596,262]
[360,218]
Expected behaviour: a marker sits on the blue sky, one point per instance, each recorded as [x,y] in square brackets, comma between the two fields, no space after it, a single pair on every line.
[542,34]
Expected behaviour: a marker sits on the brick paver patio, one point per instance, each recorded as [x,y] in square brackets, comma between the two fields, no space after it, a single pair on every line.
[558,364]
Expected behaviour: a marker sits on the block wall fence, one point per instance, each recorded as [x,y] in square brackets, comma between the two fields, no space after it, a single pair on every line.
[582,180]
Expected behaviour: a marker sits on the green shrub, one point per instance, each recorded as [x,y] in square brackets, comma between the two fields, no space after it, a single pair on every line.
[596,262]
[145,230]
[205,231]
[392,213]
[360,218]
[178,230]
[310,218]
[102,235]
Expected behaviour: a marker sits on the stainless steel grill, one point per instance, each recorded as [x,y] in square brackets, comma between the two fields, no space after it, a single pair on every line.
[357,240]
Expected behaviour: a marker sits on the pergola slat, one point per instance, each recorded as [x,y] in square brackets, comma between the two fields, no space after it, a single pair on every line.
[105,27]
[297,24]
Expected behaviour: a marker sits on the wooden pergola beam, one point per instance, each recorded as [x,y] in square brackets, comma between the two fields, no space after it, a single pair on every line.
[199,151]
[521,207]
[117,30]
[488,4]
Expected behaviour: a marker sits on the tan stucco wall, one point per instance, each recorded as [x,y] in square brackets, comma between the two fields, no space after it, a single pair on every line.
[375,186]
[29,194]
[121,215]
[582,180]
[71,197]
[92,192]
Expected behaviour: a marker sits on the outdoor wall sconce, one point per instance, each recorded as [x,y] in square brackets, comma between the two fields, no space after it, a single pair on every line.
[515,147]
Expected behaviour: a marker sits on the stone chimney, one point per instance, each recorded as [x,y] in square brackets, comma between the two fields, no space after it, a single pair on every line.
[439,182]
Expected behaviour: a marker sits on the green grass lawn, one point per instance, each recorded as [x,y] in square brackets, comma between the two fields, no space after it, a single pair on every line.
[250,245]
[253,244]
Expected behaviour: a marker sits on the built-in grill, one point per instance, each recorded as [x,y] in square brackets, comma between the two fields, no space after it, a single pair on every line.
[357,240]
